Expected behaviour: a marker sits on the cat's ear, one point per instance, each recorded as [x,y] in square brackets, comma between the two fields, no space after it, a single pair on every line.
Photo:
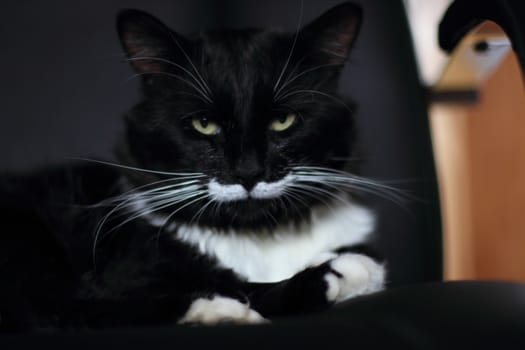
[333,33]
[148,42]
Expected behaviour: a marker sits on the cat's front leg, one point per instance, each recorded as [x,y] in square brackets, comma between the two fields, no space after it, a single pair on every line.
[203,309]
[335,277]
[218,309]
[351,275]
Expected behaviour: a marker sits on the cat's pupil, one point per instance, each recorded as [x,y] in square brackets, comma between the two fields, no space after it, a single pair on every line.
[282,119]
[204,122]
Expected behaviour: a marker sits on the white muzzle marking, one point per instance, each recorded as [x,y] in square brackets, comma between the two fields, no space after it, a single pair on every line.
[226,193]
[267,190]
[236,192]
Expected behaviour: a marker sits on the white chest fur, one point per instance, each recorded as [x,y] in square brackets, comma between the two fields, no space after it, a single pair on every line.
[264,257]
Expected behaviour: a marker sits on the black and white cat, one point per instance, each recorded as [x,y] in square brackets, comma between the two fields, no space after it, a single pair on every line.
[229,202]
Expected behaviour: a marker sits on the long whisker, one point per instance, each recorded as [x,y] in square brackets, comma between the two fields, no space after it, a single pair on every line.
[290,197]
[297,76]
[316,93]
[319,190]
[342,175]
[301,190]
[197,175]
[101,225]
[192,95]
[97,233]
[206,87]
[170,201]
[269,214]
[339,179]
[109,202]
[200,212]
[289,193]
[203,86]
[135,193]
[153,198]
[180,208]
[368,189]
[292,48]
[342,180]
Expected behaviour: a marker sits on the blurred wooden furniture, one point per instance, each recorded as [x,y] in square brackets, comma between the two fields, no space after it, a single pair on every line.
[480,153]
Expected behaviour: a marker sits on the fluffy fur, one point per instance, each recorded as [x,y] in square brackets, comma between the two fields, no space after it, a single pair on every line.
[211,213]
[261,257]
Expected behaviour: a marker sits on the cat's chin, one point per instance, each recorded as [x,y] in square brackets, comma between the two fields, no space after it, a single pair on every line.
[252,213]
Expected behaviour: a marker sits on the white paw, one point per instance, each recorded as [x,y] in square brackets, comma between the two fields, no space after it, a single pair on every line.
[352,275]
[220,309]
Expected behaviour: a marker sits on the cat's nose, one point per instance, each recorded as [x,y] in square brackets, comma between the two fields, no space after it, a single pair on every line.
[248,170]
[249,177]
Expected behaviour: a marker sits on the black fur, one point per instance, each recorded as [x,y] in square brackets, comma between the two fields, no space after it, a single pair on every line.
[49,217]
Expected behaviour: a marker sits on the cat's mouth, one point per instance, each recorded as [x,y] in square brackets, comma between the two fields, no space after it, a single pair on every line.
[225,193]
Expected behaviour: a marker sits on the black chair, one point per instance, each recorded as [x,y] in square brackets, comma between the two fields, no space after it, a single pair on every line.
[464,15]
[418,311]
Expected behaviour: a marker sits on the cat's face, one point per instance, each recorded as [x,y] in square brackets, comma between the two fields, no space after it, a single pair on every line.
[239,114]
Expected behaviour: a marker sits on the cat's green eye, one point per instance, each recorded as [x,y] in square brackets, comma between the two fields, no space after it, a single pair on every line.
[205,126]
[283,123]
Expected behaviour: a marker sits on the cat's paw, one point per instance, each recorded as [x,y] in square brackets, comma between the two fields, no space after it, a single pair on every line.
[219,309]
[350,275]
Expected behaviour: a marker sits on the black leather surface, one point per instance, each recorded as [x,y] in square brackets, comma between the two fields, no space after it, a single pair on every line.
[453,315]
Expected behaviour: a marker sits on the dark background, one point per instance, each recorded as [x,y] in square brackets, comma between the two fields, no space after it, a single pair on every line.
[64,88]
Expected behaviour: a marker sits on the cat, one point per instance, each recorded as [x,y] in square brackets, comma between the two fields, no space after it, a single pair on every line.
[229,202]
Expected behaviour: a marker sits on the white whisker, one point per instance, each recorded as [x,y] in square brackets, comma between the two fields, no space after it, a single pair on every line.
[134,193]
[342,176]
[297,76]
[305,191]
[205,85]
[342,181]
[290,198]
[200,212]
[300,184]
[292,48]
[201,85]
[196,175]
[166,203]
[357,187]
[180,208]
[153,198]
[316,92]
[102,223]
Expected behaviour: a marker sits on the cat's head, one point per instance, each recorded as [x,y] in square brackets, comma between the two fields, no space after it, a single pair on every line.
[245,117]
